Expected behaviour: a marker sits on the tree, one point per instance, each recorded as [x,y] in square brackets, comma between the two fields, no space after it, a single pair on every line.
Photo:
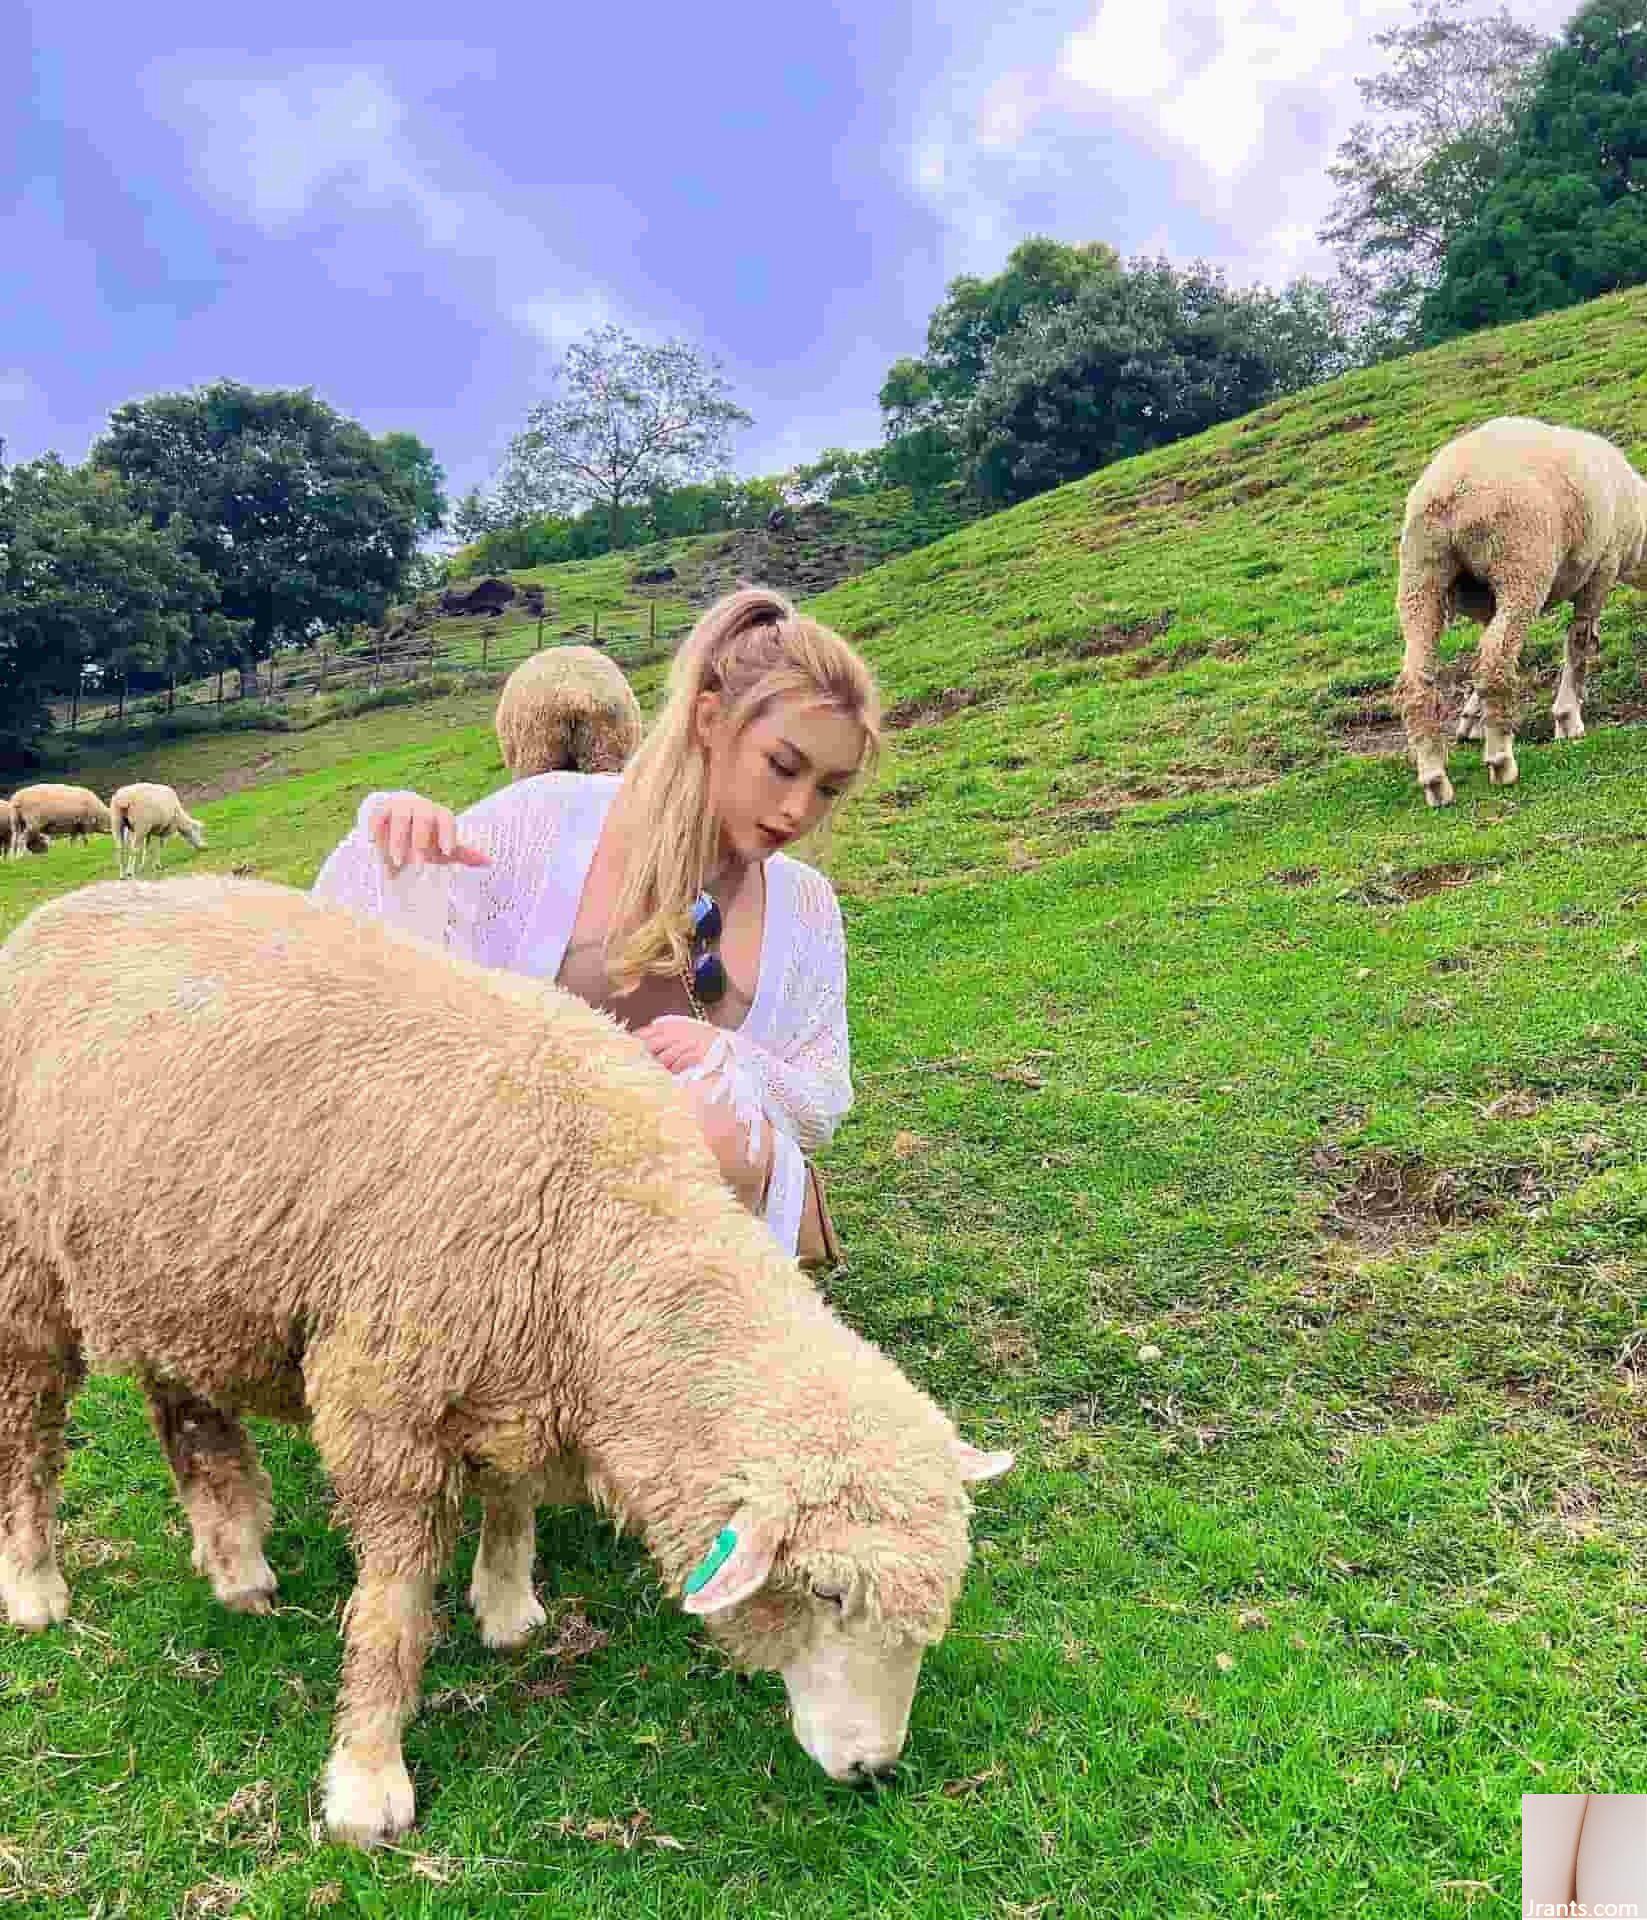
[922,399]
[423,476]
[294,511]
[629,420]
[1566,220]
[85,580]
[1408,183]
[1136,361]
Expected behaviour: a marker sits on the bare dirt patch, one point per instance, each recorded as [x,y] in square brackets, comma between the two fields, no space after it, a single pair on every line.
[232,781]
[1294,876]
[1122,637]
[1396,889]
[1388,1200]
[933,706]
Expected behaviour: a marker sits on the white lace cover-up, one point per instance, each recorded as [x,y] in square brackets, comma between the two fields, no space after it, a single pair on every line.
[787,1064]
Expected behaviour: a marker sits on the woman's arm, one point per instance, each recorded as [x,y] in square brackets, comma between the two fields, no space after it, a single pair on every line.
[801,1085]
[473,891]
[1550,1824]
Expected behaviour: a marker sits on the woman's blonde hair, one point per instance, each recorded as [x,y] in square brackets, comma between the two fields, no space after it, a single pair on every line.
[753,649]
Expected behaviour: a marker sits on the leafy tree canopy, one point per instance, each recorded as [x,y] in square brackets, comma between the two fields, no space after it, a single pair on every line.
[1409,180]
[1567,219]
[298,515]
[628,421]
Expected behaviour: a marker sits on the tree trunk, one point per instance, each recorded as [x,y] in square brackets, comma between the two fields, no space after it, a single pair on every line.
[120,717]
[171,692]
[74,710]
[248,680]
[614,522]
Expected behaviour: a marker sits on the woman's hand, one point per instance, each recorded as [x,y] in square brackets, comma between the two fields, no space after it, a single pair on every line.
[407,827]
[676,1042]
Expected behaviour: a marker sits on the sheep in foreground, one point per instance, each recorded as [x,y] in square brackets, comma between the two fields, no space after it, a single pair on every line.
[1505,523]
[567,709]
[50,811]
[147,811]
[462,1224]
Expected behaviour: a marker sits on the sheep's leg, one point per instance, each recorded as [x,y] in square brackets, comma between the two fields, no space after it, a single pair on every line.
[1423,609]
[1470,718]
[400,1498]
[1582,641]
[40,1367]
[1497,678]
[500,1590]
[224,1491]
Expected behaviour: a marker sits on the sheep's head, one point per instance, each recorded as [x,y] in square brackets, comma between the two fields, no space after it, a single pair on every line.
[193,831]
[843,1600]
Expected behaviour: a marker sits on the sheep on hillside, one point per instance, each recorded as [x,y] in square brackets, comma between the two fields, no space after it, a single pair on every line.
[463,1223]
[567,709]
[1505,523]
[143,812]
[49,811]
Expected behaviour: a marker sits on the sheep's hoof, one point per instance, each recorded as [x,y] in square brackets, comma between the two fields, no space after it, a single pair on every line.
[1438,790]
[256,1598]
[34,1601]
[506,1620]
[1503,772]
[366,1808]
[1569,726]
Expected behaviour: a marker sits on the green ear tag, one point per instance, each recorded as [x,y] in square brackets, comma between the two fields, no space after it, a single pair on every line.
[712,1562]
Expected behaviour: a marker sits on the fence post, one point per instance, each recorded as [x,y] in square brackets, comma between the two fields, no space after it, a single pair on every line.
[485,644]
[74,710]
[171,690]
[322,666]
[220,686]
[595,633]
[540,629]
[377,656]
[651,619]
[120,717]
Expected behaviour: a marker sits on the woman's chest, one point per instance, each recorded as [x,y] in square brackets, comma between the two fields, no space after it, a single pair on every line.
[740,947]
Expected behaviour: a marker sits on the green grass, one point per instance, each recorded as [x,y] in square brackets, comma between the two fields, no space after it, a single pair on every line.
[1151,1020]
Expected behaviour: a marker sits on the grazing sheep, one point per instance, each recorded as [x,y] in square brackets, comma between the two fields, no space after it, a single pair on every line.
[148,811]
[49,811]
[9,839]
[463,1224]
[567,709]
[1505,523]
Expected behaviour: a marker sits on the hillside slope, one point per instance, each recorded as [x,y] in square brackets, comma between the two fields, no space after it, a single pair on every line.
[1259,1154]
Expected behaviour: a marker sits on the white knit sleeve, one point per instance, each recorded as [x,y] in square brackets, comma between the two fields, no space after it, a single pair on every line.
[801,1082]
[479,913]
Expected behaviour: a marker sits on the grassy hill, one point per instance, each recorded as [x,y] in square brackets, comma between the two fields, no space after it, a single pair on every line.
[1257,1152]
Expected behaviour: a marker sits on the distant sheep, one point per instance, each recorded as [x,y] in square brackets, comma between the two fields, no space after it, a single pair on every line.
[147,811]
[588,1311]
[49,811]
[1505,523]
[567,709]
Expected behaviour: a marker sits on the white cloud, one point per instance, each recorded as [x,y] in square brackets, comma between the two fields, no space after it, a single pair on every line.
[1243,102]
[324,139]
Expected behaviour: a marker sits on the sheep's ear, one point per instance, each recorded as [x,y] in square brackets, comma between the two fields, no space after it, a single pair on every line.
[734,1567]
[979,1466]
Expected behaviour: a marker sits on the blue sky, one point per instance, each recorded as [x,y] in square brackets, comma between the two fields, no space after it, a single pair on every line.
[413,215]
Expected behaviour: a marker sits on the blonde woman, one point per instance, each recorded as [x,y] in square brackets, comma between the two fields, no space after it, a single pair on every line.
[664,895]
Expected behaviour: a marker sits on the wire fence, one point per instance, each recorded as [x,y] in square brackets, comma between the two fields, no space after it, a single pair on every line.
[473,647]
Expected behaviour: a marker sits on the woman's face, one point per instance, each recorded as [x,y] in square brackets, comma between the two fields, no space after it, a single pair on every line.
[777,779]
